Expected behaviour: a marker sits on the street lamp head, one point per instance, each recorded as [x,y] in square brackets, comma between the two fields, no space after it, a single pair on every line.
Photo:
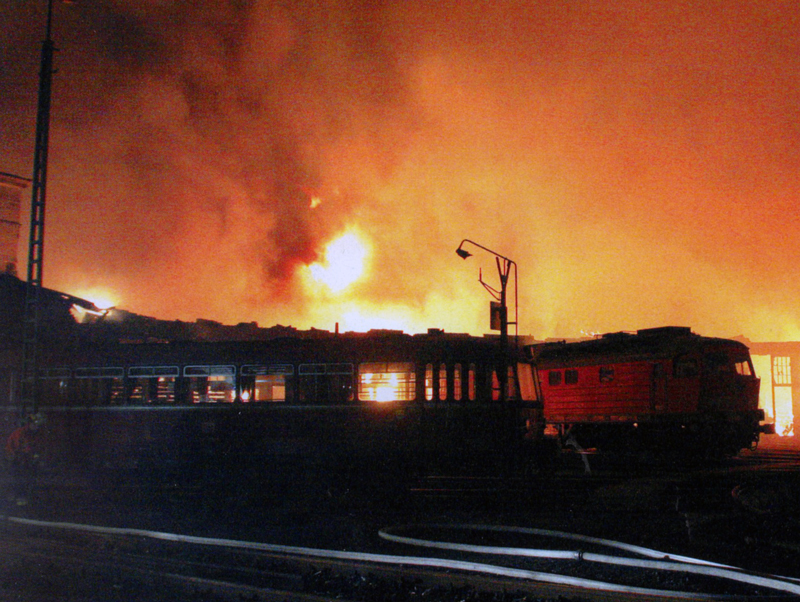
[463,253]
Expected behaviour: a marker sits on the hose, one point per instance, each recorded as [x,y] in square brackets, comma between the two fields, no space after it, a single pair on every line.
[438,563]
[665,563]
[772,582]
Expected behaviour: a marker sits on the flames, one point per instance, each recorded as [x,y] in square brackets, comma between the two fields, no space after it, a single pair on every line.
[206,161]
[344,262]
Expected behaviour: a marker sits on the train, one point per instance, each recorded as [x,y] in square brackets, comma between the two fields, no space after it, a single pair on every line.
[318,406]
[657,389]
[334,407]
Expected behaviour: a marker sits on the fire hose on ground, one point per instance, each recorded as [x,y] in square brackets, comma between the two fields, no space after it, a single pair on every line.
[784,584]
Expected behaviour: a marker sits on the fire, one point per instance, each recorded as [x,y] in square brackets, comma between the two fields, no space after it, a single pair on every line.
[344,263]
[101,299]
[380,387]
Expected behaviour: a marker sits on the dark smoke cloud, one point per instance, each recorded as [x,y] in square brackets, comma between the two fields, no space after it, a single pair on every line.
[638,160]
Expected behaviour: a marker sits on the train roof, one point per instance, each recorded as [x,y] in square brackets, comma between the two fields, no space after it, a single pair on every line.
[433,346]
[643,344]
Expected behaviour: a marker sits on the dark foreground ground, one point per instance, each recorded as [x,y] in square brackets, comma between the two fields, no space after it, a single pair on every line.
[743,512]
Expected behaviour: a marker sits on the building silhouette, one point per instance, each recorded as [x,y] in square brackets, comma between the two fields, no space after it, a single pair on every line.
[11,188]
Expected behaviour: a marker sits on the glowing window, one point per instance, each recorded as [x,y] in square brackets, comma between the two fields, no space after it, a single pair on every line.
[267,383]
[511,383]
[386,381]
[211,384]
[457,382]
[152,384]
[744,369]
[429,382]
[471,382]
[781,371]
[442,382]
[526,386]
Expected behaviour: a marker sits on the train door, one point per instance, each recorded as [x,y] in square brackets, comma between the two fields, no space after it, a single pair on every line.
[658,388]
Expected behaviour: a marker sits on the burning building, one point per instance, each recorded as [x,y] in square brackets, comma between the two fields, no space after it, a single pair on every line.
[777,365]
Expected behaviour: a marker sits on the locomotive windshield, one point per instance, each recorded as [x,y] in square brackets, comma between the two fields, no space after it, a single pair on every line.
[729,361]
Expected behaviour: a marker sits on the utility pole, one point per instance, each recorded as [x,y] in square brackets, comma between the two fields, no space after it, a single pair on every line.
[32,310]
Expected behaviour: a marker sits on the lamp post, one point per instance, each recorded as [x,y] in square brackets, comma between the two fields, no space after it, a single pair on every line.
[504,266]
[30,327]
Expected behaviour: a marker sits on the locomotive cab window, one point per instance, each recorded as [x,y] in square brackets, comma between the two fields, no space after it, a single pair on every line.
[719,363]
[554,378]
[386,381]
[744,368]
[211,384]
[270,383]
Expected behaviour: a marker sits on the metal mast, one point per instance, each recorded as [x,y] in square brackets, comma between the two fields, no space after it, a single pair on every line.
[36,240]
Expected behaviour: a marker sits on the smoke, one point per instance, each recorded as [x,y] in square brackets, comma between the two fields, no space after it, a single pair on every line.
[637,161]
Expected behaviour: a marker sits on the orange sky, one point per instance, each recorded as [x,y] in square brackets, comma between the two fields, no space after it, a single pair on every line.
[638,160]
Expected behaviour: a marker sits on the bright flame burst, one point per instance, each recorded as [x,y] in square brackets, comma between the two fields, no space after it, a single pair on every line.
[344,263]
[100,299]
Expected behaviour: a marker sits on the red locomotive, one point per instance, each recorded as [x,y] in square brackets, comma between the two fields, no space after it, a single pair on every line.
[664,388]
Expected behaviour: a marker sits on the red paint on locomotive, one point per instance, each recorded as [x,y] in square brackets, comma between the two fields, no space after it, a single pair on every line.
[657,380]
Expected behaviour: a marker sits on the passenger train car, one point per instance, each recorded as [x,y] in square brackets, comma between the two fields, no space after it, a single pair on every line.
[661,388]
[325,406]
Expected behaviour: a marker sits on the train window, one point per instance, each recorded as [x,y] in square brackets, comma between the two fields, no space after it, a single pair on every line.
[429,382]
[554,378]
[211,384]
[442,382]
[511,383]
[53,386]
[606,374]
[685,367]
[471,382]
[152,384]
[744,369]
[326,383]
[457,382]
[386,381]
[526,387]
[571,377]
[718,362]
[266,383]
[99,386]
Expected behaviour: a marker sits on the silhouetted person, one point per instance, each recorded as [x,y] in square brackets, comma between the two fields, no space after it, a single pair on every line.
[22,453]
